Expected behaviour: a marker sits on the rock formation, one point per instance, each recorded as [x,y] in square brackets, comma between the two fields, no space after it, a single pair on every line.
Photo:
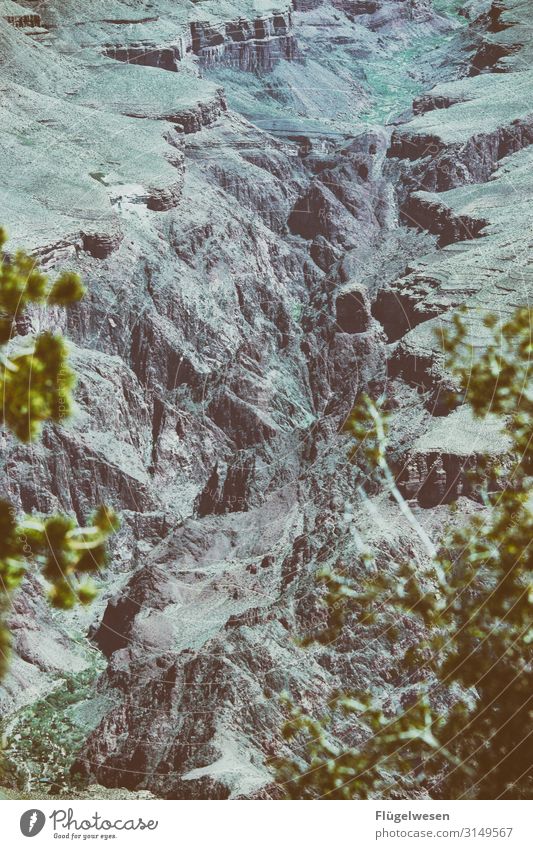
[274,207]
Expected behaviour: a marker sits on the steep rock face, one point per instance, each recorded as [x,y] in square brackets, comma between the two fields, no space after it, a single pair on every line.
[348,197]
[249,45]
[438,468]
[481,121]
[244,284]
[484,264]
[167,58]
[71,201]
[506,43]
[203,680]
[426,211]
[238,34]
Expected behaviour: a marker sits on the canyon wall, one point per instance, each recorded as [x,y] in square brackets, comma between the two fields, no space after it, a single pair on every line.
[260,244]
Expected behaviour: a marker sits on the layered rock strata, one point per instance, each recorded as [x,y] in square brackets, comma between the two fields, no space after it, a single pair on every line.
[246,281]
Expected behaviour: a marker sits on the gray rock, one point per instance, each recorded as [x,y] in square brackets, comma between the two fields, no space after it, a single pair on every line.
[248,276]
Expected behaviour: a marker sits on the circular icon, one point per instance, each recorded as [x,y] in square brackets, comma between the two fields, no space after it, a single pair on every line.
[32,822]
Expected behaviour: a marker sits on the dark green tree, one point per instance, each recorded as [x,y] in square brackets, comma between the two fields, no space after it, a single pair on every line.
[475,602]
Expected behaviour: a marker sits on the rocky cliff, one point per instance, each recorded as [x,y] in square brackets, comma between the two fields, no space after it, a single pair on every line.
[273,209]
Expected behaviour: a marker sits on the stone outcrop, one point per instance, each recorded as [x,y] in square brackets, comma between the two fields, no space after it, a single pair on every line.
[249,273]
[166,58]
[424,210]
[101,245]
[250,42]
[440,466]
[353,310]
[19,16]
[249,45]
[480,190]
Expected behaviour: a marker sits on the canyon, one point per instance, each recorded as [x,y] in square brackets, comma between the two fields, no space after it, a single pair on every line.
[274,208]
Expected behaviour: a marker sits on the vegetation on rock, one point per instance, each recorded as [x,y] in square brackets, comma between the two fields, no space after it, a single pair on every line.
[36,385]
[42,739]
[467,734]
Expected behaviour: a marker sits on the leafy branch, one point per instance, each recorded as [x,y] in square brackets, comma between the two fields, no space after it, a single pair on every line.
[474,601]
[36,385]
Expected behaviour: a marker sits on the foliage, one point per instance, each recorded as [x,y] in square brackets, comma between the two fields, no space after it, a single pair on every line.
[37,387]
[474,600]
[36,380]
[44,737]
